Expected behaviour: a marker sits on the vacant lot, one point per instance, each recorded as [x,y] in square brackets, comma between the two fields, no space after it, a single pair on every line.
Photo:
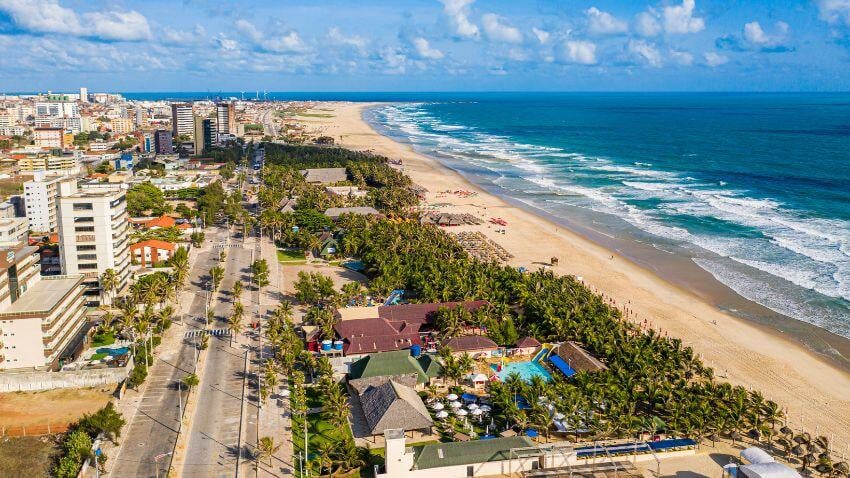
[28,456]
[57,407]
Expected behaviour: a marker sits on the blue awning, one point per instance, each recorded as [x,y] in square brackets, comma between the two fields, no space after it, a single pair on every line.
[561,365]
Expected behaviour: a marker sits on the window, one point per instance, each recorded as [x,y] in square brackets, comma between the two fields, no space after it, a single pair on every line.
[88,266]
[83,206]
[470,471]
[87,248]
[86,257]
[83,219]
[84,229]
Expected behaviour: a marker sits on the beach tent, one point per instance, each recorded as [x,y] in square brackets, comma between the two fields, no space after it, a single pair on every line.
[767,470]
[756,455]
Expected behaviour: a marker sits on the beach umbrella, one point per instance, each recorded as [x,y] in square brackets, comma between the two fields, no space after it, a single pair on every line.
[461,412]
[442,414]
[451,396]
[454,404]
[798,450]
[476,412]
[285,393]
[786,431]
[485,408]
[439,406]
[472,406]
[842,467]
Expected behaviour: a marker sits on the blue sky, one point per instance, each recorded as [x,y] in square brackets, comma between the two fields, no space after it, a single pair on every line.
[425,45]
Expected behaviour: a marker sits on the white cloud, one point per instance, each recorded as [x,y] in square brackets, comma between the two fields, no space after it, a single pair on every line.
[680,18]
[394,62]
[336,37]
[289,42]
[541,35]
[425,50]
[458,13]
[646,24]
[580,51]
[497,30]
[713,59]
[48,16]
[603,23]
[754,34]
[835,12]
[646,52]
[682,57]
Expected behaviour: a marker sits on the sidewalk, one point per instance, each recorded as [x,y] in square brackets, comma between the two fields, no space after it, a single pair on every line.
[274,415]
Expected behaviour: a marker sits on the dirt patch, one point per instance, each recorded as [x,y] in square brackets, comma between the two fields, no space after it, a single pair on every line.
[57,407]
[339,275]
[32,457]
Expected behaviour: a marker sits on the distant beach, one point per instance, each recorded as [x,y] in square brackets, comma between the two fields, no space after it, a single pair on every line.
[815,390]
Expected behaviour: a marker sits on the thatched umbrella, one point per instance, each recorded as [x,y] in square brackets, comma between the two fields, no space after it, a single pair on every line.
[786,431]
[803,438]
[824,468]
[754,434]
[842,467]
[808,460]
[798,450]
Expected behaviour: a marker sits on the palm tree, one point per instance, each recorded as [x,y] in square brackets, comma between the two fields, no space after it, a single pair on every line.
[216,276]
[237,289]
[109,282]
[267,448]
[191,381]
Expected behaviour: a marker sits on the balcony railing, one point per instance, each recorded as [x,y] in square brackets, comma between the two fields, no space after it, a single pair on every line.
[86,238]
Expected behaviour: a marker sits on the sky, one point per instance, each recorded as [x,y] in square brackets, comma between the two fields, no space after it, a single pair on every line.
[425,45]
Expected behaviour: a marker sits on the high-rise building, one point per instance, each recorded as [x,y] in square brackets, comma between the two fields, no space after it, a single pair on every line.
[163,143]
[13,230]
[84,95]
[198,135]
[56,109]
[225,118]
[210,133]
[182,121]
[42,319]
[93,236]
[40,201]
[49,137]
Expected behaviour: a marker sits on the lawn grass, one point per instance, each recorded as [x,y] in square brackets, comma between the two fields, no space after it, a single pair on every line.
[32,457]
[101,340]
[99,355]
[287,256]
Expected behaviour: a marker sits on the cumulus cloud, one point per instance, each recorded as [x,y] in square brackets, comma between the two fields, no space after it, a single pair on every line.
[289,42]
[580,51]
[49,17]
[713,59]
[834,12]
[646,24]
[682,57]
[645,52]
[497,30]
[755,38]
[541,35]
[457,11]
[680,18]
[425,50]
[603,23]
[337,38]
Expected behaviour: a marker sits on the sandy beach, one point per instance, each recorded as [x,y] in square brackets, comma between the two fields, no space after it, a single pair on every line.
[815,392]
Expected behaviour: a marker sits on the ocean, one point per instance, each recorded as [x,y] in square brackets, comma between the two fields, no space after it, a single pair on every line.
[753,188]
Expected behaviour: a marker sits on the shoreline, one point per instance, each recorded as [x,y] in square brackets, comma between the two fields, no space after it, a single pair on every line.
[814,390]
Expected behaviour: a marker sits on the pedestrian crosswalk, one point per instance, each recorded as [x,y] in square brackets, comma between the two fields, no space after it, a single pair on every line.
[198,332]
[224,246]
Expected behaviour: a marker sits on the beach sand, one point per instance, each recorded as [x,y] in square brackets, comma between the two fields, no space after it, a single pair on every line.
[815,391]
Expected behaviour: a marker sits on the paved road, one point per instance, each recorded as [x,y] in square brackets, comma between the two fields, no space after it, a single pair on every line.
[214,441]
[153,429]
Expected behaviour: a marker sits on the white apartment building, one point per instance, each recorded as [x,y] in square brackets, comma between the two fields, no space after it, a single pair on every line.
[225,119]
[93,236]
[13,230]
[40,198]
[182,121]
[49,137]
[42,319]
[56,109]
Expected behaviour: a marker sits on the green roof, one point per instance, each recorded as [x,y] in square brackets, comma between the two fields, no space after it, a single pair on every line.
[383,364]
[467,453]
[432,367]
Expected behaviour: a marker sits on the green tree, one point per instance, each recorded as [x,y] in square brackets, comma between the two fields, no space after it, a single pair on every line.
[267,448]
[146,197]
[107,420]
[191,381]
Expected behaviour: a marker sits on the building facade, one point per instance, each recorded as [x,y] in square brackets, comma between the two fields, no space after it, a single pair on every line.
[93,236]
[13,230]
[42,319]
[49,137]
[40,196]
[182,121]
[225,118]
[152,252]
[162,142]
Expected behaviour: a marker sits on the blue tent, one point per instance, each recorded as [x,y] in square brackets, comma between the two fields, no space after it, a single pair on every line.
[561,365]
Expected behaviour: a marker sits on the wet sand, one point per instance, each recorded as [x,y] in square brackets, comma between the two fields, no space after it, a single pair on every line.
[671,293]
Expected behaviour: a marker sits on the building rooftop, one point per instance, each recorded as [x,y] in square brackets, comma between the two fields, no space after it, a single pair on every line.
[388,364]
[392,405]
[44,296]
[100,192]
[466,343]
[466,453]
[325,175]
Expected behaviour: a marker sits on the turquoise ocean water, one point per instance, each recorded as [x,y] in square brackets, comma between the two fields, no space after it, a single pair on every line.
[754,188]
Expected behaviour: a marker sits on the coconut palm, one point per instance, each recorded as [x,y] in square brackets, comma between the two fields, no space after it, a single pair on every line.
[109,283]
[267,448]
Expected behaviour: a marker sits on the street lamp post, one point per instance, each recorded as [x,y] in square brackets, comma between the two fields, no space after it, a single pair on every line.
[156,461]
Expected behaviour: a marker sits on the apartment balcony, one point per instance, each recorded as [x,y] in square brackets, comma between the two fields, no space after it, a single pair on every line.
[86,238]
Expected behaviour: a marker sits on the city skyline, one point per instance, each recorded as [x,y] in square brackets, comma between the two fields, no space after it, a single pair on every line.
[425,45]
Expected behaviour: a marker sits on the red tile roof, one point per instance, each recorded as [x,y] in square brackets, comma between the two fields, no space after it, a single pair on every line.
[422,313]
[162,221]
[376,335]
[470,343]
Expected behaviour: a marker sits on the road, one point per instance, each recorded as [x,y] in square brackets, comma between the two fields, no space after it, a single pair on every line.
[153,428]
[214,442]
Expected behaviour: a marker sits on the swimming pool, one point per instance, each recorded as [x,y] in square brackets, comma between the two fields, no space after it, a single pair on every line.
[115,352]
[526,370]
